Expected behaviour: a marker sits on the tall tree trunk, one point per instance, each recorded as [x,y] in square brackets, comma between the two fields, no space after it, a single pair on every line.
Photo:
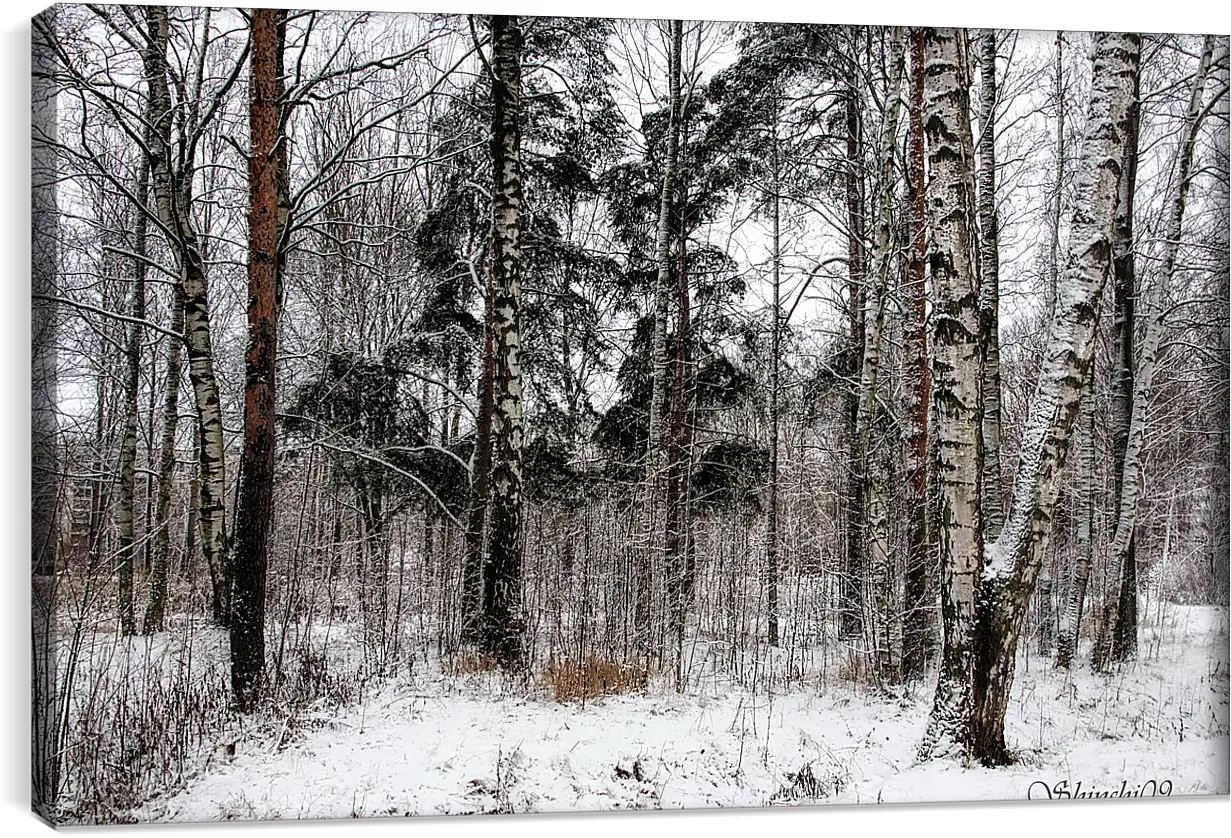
[254,518]
[916,630]
[1118,634]
[679,455]
[956,382]
[775,363]
[1123,353]
[1124,329]
[480,486]
[1067,644]
[125,514]
[850,591]
[656,454]
[1218,526]
[989,286]
[989,604]
[873,550]
[173,198]
[156,606]
[502,574]
[1083,559]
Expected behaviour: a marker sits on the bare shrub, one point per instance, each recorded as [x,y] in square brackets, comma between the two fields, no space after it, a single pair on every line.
[138,730]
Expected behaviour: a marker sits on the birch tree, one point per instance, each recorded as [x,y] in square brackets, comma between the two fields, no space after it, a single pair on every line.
[502,573]
[1118,633]
[989,283]
[874,548]
[986,589]
[916,628]
[656,455]
[172,172]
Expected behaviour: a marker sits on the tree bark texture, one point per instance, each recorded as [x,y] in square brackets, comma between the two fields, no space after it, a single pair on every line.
[1014,559]
[1118,635]
[502,574]
[173,197]
[853,497]
[989,285]
[254,518]
[957,354]
[916,630]
[126,537]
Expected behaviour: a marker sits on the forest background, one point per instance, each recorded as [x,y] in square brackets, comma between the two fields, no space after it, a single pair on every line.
[1195,17]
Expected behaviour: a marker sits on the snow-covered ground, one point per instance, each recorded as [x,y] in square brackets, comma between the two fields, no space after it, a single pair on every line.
[438,744]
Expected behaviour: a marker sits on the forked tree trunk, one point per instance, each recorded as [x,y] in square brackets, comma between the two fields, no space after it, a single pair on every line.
[1118,635]
[256,490]
[502,574]
[916,629]
[985,601]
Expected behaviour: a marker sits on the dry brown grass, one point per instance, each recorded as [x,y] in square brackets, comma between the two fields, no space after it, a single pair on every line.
[571,679]
[469,661]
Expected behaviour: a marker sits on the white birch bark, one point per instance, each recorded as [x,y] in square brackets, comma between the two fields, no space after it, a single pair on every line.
[173,200]
[1113,645]
[956,379]
[984,606]
[874,533]
[989,284]
[656,455]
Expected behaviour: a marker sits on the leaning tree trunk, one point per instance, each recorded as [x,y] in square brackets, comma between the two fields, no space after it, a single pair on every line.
[985,605]
[916,629]
[502,575]
[989,286]
[156,606]
[254,517]
[1118,634]
[173,198]
[125,537]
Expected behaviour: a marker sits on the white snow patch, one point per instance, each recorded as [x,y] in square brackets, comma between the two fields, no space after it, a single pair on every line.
[447,745]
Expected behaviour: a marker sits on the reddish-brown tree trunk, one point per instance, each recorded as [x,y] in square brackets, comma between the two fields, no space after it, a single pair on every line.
[256,489]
